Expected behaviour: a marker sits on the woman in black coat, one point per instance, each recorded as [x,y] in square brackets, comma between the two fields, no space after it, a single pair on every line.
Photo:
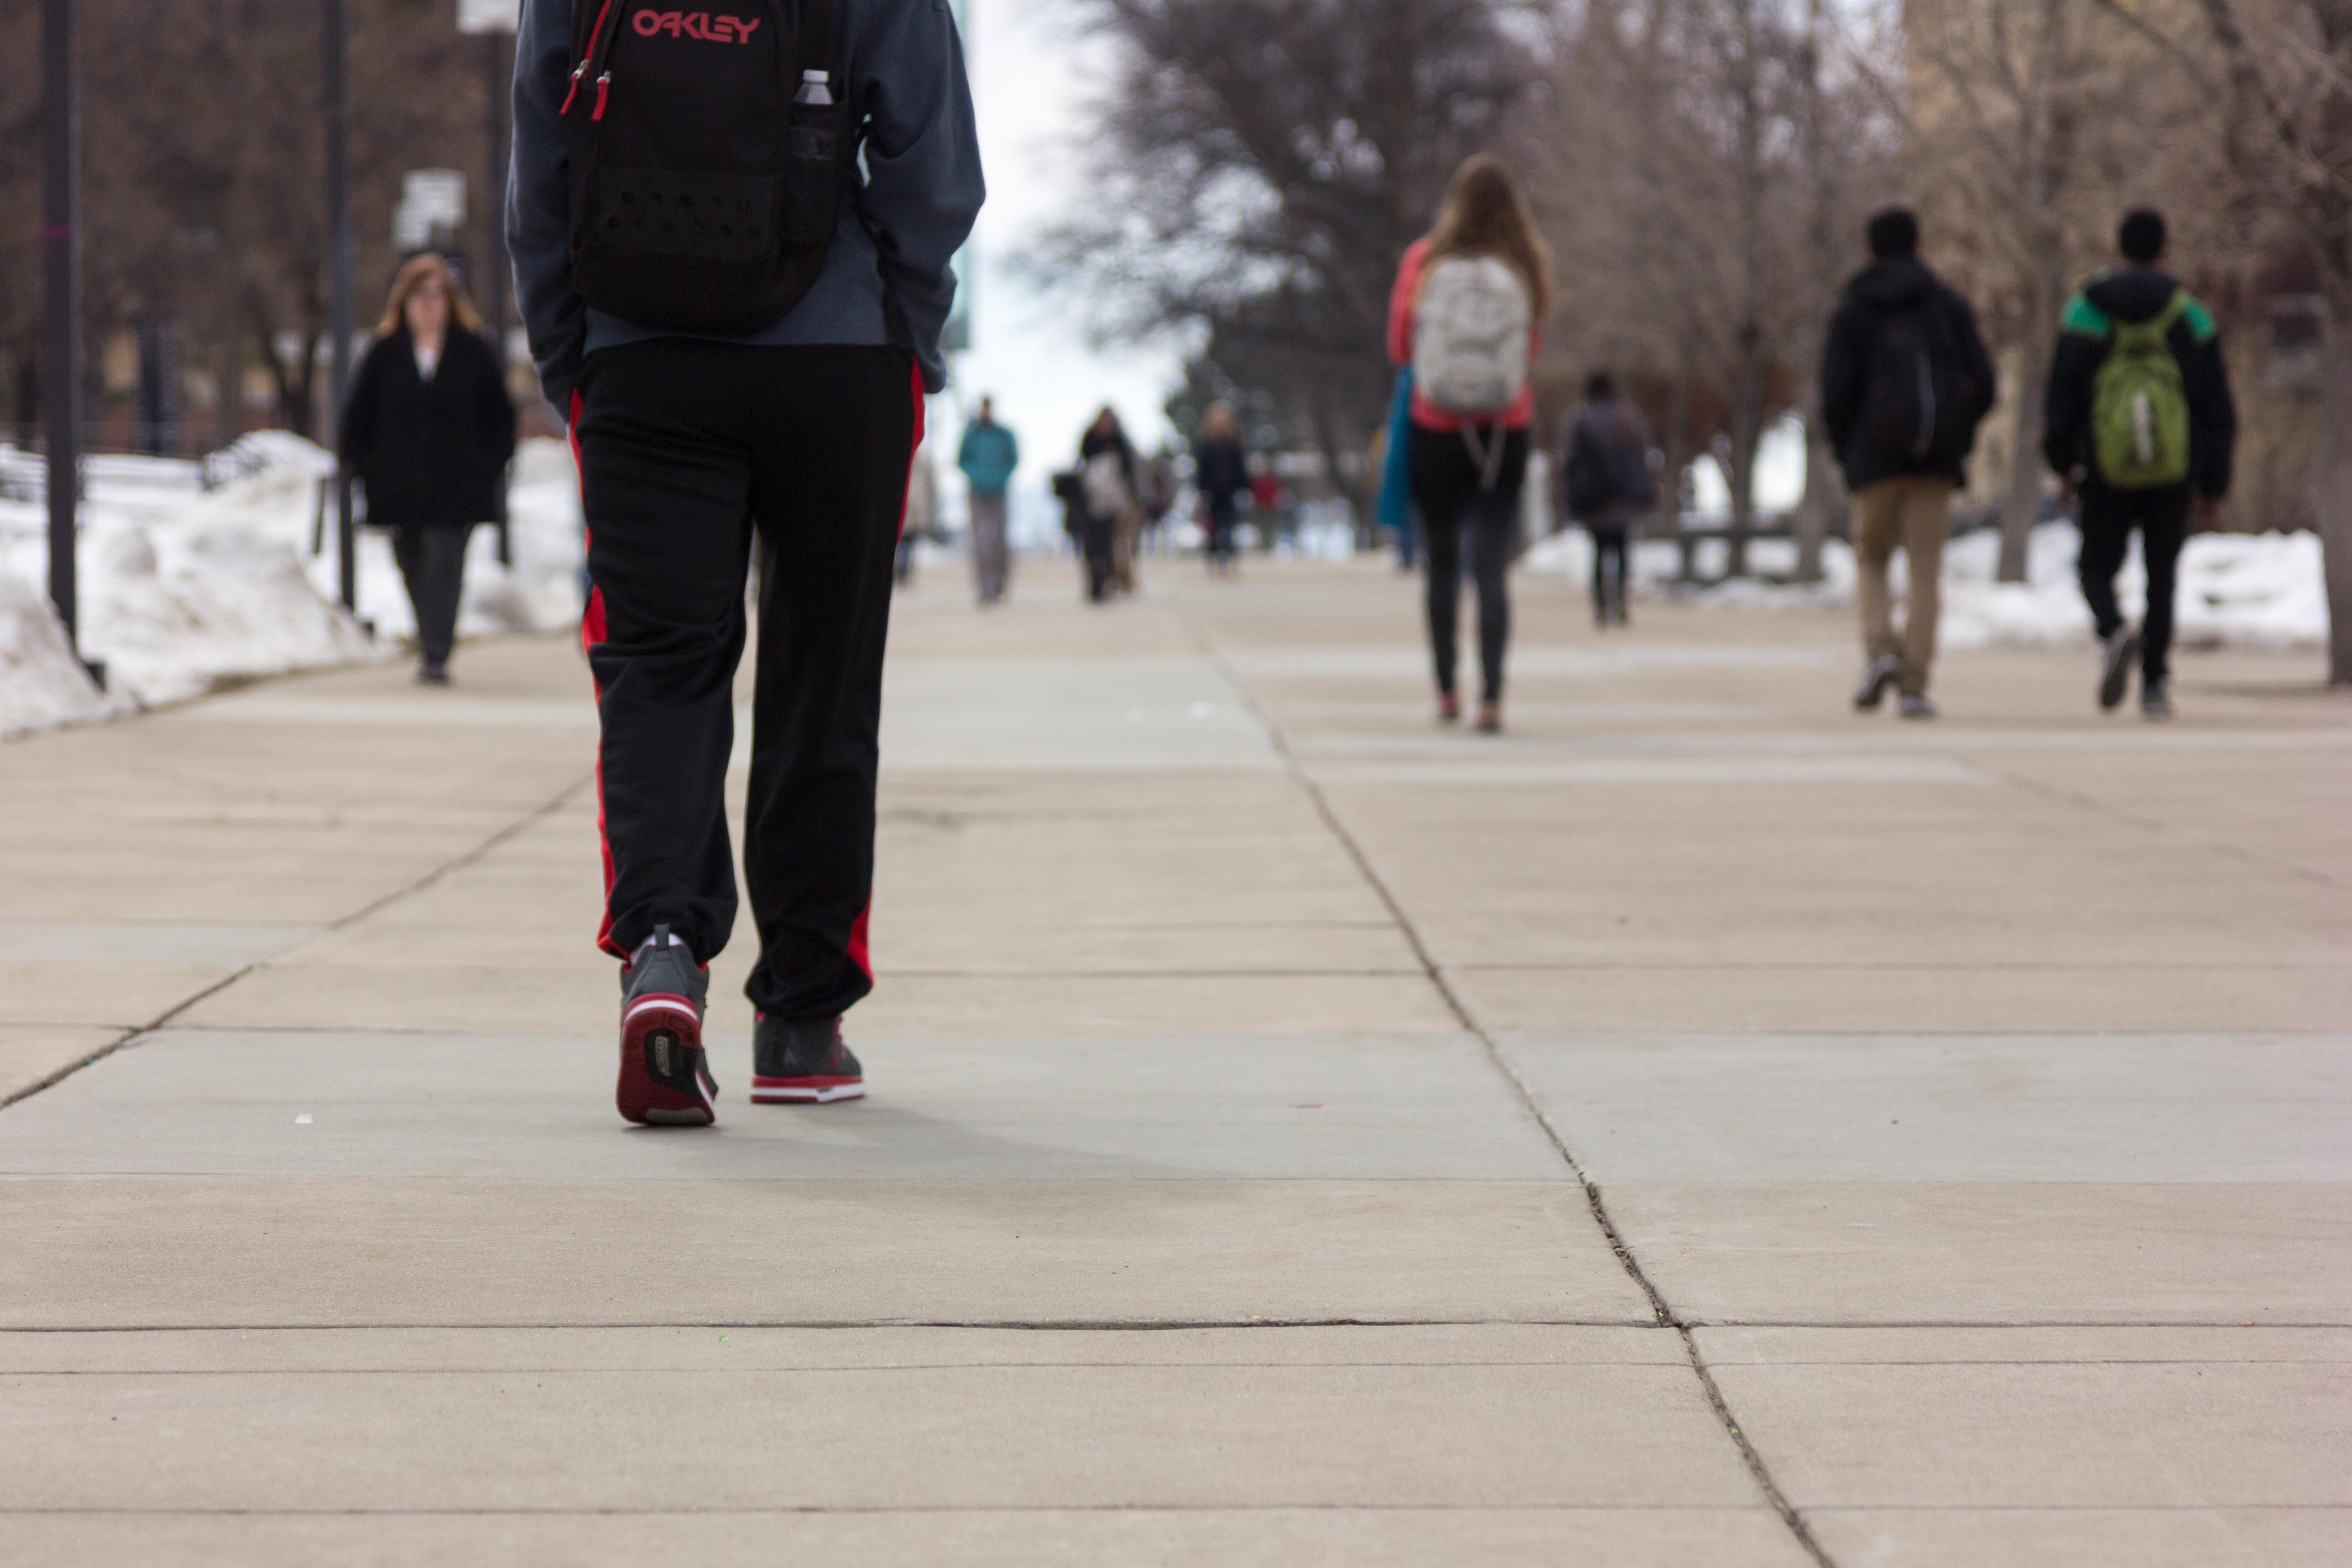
[1221,473]
[428,431]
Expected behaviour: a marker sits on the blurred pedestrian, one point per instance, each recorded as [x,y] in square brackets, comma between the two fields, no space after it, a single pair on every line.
[1090,534]
[1267,499]
[2139,421]
[1157,475]
[1221,473]
[1114,492]
[988,458]
[767,377]
[1393,450]
[428,431]
[1467,314]
[1607,484]
[1904,383]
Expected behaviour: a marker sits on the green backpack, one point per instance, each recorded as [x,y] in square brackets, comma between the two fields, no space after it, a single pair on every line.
[2140,409]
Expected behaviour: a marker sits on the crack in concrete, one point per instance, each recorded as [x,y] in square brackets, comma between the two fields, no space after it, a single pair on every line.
[1757,1470]
[139,1034]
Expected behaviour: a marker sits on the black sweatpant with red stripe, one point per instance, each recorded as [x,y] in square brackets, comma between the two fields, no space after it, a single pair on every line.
[686,447]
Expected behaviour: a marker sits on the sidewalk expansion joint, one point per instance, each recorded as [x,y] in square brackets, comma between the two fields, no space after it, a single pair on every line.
[841,1325]
[2085,801]
[1757,1470]
[162,1020]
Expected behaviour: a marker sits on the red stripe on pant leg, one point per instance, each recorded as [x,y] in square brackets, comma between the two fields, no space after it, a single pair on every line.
[907,489]
[860,952]
[591,632]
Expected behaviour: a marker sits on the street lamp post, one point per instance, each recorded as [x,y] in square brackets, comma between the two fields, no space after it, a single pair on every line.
[61,304]
[336,77]
[497,21]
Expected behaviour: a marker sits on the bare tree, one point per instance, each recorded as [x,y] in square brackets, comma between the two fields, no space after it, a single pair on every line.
[2030,123]
[1262,165]
[202,174]
[2289,138]
[1703,166]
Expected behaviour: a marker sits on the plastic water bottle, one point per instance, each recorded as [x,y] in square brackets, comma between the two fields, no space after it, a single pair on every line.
[815,89]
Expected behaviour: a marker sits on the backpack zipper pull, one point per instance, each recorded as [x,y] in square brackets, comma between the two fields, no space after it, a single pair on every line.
[588,58]
[603,89]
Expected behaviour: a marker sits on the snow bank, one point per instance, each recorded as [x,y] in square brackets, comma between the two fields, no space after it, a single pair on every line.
[41,682]
[183,588]
[2237,590]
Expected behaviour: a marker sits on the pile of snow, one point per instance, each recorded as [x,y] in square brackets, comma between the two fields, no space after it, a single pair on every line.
[2237,590]
[42,683]
[183,588]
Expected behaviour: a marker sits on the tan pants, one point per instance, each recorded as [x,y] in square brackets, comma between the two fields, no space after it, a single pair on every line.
[1122,548]
[1914,513]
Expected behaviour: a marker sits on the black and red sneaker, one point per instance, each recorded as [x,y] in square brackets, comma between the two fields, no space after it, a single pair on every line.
[664,1080]
[802,1064]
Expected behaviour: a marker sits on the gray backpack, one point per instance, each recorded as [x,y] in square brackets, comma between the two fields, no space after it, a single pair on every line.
[1470,345]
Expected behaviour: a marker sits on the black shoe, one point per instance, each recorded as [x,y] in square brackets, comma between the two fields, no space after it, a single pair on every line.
[432,675]
[802,1064]
[2155,699]
[1915,706]
[1878,678]
[664,1079]
[2121,646]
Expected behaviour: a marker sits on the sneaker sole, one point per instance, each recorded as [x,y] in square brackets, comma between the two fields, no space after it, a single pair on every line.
[661,1039]
[805,1090]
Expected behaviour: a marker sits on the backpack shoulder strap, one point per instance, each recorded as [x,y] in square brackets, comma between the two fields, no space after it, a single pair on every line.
[2200,322]
[2085,320]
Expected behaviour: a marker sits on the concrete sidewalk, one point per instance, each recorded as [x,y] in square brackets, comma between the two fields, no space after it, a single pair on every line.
[1699,1127]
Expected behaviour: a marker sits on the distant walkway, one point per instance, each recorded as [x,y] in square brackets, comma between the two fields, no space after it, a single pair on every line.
[1701,1126]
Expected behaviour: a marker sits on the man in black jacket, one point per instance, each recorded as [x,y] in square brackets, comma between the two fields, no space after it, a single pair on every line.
[1904,383]
[2139,290]
[689,438]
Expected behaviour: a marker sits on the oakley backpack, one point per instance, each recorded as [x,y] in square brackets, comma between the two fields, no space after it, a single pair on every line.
[709,151]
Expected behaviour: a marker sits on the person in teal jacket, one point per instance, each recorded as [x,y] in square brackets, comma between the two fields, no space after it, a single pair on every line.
[1395,500]
[988,457]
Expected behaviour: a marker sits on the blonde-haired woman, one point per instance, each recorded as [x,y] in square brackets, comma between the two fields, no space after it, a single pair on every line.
[428,431]
[1469,462]
[1221,473]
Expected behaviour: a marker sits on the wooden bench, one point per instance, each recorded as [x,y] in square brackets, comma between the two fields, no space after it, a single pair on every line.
[1687,536]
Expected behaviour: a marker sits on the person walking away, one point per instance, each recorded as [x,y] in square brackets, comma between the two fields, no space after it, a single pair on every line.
[1265,501]
[1089,536]
[2138,422]
[428,431]
[1106,462]
[731,242]
[1395,466]
[1904,383]
[1221,473]
[988,458]
[1466,314]
[1606,484]
[1159,478]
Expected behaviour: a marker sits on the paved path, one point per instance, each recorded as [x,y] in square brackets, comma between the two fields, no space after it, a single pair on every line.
[1702,1127]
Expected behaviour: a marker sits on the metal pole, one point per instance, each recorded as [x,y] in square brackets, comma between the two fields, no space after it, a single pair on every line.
[61,300]
[495,265]
[494,254]
[338,271]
